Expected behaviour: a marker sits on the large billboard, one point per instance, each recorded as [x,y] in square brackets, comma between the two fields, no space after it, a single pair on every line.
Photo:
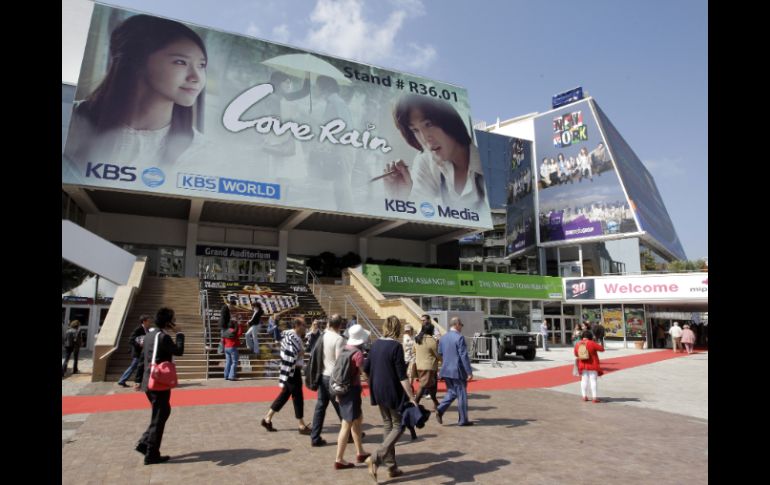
[638,288]
[579,192]
[427,281]
[171,108]
[645,199]
[520,201]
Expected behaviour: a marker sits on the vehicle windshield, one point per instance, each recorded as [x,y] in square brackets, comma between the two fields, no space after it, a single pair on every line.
[506,323]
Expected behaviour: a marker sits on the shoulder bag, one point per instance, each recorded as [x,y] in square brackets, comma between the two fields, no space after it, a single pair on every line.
[163,375]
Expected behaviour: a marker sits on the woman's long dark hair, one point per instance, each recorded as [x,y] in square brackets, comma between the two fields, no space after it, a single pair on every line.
[427,329]
[131,43]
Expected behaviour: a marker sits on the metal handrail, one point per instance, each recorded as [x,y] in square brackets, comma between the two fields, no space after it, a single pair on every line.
[360,314]
[321,293]
[204,308]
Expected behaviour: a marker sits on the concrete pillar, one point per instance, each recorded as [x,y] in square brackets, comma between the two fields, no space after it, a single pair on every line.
[363,248]
[190,258]
[283,253]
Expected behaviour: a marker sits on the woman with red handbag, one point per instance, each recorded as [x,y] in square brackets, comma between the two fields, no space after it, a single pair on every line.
[159,347]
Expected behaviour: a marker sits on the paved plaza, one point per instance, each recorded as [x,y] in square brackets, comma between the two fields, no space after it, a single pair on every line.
[652,428]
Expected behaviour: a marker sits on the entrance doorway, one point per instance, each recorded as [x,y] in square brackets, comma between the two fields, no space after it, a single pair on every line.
[560,329]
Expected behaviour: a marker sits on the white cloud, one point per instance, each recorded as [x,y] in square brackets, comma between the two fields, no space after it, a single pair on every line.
[339,28]
[252,29]
[281,34]
[421,56]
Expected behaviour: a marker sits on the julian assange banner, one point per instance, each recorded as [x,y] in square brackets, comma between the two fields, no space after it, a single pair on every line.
[170,108]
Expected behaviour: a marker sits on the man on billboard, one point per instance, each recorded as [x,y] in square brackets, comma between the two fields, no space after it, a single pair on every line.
[447,168]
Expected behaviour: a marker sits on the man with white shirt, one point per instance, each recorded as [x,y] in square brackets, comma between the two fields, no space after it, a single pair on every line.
[676,336]
[333,344]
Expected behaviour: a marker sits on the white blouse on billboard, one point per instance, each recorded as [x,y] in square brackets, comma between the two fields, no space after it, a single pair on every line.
[434,181]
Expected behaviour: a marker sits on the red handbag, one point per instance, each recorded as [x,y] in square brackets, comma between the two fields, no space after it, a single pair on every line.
[163,375]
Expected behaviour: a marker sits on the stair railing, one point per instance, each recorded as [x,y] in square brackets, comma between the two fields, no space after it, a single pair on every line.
[205,316]
[312,280]
[361,316]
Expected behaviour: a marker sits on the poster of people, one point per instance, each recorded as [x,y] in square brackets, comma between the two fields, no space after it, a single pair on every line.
[612,321]
[591,314]
[642,191]
[579,192]
[635,326]
[520,200]
[171,108]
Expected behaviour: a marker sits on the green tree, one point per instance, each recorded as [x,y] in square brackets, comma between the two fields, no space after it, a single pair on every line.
[648,261]
[680,265]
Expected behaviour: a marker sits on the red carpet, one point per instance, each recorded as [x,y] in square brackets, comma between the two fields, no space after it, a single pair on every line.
[555,376]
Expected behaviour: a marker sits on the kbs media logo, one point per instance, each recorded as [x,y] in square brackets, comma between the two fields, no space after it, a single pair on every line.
[408,207]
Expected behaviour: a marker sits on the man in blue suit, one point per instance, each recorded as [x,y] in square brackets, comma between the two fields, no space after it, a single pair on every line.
[456,371]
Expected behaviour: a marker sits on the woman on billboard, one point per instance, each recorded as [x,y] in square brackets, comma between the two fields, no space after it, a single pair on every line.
[145,109]
[446,169]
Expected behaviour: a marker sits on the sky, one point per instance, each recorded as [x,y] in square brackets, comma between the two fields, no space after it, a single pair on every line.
[645,64]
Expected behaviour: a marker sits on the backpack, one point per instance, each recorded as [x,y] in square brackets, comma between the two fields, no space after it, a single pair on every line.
[69,338]
[339,382]
[583,351]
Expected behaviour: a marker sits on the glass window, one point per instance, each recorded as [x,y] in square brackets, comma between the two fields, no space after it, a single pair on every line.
[463,304]
[498,307]
[437,302]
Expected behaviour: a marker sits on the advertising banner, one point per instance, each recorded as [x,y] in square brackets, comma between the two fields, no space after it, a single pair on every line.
[579,192]
[171,108]
[645,199]
[612,321]
[277,299]
[661,287]
[520,203]
[428,281]
[635,327]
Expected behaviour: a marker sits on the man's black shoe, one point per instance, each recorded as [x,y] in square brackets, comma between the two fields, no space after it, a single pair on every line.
[467,423]
[122,384]
[141,448]
[439,416]
[156,459]
[320,442]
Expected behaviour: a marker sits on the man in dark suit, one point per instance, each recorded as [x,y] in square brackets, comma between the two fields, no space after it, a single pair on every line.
[456,371]
[136,341]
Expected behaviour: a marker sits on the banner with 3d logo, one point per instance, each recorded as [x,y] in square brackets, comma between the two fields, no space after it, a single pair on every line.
[639,288]
[164,107]
[428,281]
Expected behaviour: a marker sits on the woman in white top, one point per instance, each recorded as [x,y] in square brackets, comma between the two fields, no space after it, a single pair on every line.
[447,170]
[143,112]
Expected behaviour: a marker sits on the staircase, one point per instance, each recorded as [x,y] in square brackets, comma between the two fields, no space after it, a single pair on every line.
[333,300]
[265,363]
[180,294]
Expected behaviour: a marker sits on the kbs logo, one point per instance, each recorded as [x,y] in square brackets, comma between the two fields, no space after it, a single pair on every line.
[427,209]
[192,181]
[395,205]
[106,171]
[153,177]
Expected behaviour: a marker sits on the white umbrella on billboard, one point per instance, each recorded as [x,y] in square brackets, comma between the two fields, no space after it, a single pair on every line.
[299,65]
